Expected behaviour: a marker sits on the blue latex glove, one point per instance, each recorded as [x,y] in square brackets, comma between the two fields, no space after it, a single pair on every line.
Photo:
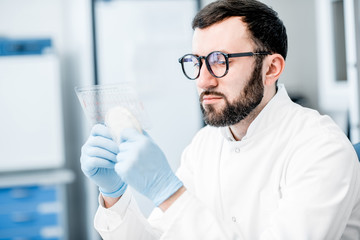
[142,165]
[98,157]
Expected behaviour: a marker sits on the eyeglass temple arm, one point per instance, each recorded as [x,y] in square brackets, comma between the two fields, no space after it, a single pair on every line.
[248,54]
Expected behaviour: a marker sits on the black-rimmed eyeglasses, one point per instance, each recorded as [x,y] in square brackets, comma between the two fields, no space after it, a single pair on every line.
[216,62]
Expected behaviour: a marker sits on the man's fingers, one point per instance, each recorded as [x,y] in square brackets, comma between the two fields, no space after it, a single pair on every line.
[91,165]
[101,130]
[100,153]
[104,143]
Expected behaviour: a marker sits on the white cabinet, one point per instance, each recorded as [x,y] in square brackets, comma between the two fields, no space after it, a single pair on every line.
[31,123]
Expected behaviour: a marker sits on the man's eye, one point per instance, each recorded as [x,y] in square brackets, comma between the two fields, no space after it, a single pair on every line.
[218,63]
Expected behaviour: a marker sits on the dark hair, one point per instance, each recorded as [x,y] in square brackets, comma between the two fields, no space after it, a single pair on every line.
[268,31]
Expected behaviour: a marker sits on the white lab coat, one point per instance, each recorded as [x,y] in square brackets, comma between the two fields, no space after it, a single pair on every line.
[293,176]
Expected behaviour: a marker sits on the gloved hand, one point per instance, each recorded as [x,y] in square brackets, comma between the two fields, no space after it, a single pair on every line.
[142,165]
[98,157]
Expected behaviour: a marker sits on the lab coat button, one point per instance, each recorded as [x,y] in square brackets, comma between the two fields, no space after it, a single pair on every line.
[233,219]
[237,150]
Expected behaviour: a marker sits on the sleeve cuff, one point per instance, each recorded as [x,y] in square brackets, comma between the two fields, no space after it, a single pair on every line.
[107,219]
[164,220]
[118,208]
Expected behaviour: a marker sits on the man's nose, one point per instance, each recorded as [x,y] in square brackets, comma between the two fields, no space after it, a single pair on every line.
[205,79]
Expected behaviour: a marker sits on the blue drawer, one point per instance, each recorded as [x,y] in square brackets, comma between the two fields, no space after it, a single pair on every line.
[27,219]
[9,47]
[21,207]
[29,233]
[29,238]
[27,194]
[26,211]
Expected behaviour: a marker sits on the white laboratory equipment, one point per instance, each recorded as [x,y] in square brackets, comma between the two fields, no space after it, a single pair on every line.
[30,103]
[32,174]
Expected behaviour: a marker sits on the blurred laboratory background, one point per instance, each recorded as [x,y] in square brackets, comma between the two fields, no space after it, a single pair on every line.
[49,47]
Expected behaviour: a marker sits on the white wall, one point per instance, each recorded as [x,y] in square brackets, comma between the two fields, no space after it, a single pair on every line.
[300,75]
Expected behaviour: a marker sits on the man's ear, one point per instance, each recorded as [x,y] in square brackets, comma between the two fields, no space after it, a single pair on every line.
[275,66]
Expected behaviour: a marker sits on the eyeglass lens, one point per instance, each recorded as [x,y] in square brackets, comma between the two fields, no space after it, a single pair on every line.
[215,61]
[191,66]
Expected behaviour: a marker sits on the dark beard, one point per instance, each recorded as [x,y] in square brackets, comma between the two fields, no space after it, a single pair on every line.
[235,112]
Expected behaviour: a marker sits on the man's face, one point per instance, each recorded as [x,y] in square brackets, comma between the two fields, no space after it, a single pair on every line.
[228,100]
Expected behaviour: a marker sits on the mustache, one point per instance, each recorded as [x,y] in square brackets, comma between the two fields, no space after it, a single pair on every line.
[210,92]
